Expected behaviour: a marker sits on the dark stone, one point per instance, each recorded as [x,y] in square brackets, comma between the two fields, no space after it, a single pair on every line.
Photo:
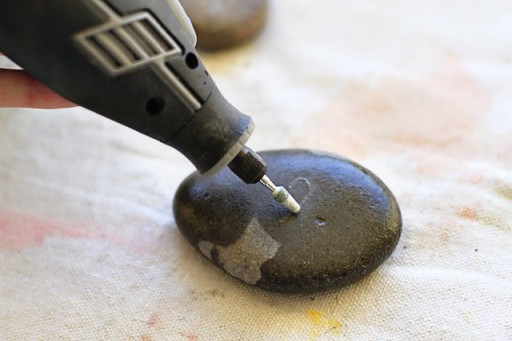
[348,225]
[221,24]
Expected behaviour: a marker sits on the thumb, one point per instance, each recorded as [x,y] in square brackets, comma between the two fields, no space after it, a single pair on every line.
[19,89]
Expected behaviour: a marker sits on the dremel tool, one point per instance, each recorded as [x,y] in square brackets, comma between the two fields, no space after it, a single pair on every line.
[134,61]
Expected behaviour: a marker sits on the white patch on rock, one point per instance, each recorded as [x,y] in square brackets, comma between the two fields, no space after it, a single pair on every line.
[206,248]
[244,258]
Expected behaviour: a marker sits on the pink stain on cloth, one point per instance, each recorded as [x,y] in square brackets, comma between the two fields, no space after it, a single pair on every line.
[433,113]
[190,336]
[19,231]
[154,320]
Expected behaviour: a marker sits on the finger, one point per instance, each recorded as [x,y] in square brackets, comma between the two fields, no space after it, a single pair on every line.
[19,89]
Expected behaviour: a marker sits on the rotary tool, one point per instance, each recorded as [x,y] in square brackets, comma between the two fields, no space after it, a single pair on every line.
[134,62]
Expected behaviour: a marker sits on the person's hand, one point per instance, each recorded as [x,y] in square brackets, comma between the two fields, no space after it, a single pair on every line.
[19,89]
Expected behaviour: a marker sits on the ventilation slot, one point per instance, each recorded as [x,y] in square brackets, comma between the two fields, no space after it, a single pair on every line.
[104,53]
[130,43]
[140,38]
[149,36]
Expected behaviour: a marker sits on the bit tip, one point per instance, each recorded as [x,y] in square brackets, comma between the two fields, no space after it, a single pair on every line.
[282,196]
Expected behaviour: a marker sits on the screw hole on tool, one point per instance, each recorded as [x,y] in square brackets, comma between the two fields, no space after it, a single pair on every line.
[192,61]
[155,106]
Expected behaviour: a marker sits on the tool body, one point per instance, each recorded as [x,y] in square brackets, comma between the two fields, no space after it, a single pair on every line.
[134,61]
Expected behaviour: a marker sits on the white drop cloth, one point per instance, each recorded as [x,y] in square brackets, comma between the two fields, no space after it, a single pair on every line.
[420,92]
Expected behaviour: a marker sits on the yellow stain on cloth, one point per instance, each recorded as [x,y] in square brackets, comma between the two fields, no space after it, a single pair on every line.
[322,324]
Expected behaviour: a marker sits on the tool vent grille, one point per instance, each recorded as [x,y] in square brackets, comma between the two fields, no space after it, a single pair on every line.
[131,43]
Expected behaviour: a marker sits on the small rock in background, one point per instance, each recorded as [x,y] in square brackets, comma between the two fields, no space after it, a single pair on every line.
[222,24]
[348,225]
